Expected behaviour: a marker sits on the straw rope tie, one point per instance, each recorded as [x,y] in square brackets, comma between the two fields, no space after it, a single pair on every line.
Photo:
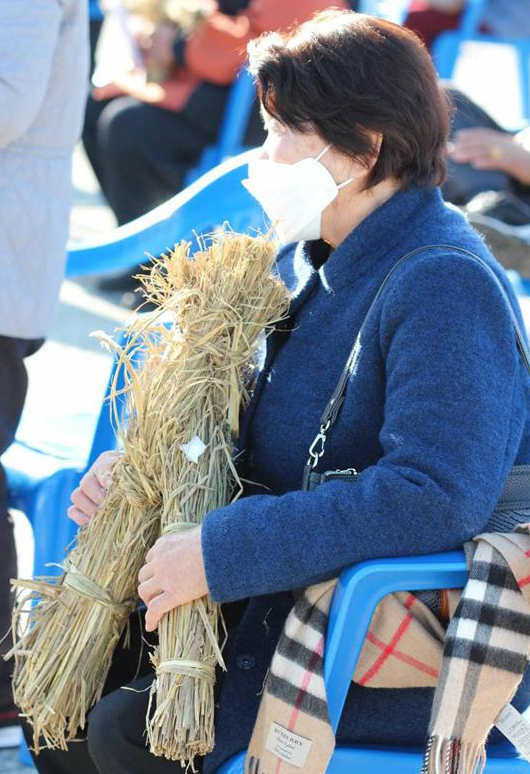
[76,581]
[185,666]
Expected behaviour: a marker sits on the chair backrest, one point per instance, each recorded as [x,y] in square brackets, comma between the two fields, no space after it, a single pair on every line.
[94,10]
[231,137]
[236,116]
[448,47]
[217,197]
[393,10]
[471,17]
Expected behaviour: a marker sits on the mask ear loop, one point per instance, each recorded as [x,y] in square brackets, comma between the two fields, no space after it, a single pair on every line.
[317,158]
[325,150]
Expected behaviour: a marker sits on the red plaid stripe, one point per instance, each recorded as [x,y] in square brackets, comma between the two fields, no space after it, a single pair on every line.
[317,654]
[390,648]
[400,656]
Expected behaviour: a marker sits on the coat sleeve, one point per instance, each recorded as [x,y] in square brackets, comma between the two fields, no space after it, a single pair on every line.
[218,48]
[454,415]
[29,31]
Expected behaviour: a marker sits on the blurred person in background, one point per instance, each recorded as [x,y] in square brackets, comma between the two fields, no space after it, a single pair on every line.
[145,130]
[96,21]
[43,76]
[489,175]
[505,18]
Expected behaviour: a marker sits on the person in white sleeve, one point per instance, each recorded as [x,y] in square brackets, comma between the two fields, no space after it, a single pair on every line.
[43,85]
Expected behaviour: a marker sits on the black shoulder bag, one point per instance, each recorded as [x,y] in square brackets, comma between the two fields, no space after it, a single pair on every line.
[514,504]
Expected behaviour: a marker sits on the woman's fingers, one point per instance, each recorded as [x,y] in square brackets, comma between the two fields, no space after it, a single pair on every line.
[102,468]
[83,503]
[145,573]
[148,590]
[98,479]
[465,153]
[480,136]
[91,488]
[78,516]
[157,607]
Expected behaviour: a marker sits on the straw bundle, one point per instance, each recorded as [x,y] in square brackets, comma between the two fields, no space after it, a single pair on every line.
[192,383]
[230,298]
[184,14]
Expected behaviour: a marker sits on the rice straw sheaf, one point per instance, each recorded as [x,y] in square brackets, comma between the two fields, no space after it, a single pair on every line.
[192,381]
[230,299]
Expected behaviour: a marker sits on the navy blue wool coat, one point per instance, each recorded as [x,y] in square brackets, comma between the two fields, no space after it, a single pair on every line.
[436,413]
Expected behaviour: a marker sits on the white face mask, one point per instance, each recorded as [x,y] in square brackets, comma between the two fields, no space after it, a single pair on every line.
[293,195]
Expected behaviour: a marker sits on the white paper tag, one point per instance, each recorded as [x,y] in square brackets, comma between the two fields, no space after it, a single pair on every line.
[193,449]
[516,729]
[290,747]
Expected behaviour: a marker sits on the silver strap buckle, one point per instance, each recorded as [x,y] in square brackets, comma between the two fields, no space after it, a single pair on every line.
[314,453]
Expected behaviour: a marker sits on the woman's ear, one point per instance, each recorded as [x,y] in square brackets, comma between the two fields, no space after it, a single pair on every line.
[360,168]
[370,161]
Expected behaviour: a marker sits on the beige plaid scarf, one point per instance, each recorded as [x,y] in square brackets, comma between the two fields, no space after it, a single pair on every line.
[476,665]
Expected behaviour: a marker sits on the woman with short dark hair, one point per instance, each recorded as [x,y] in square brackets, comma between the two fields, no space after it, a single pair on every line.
[435,411]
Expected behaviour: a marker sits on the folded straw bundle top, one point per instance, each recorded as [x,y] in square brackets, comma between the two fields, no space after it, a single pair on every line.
[193,383]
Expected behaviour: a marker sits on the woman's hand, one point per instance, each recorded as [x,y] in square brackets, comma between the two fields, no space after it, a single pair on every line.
[490,149]
[131,84]
[92,488]
[172,575]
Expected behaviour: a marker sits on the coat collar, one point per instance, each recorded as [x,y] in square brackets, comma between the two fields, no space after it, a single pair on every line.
[385,231]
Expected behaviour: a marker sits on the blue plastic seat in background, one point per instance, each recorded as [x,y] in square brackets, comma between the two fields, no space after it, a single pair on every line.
[216,197]
[358,592]
[393,10]
[448,47]
[231,137]
[94,10]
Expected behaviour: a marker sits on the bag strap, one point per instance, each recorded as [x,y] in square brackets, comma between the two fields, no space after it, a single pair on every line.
[331,412]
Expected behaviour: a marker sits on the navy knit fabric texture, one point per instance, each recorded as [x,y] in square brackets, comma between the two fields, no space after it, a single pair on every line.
[436,409]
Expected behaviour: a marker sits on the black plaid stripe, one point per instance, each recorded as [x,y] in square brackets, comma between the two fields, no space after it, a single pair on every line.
[484,654]
[310,616]
[293,696]
[493,574]
[491,615]
[304,657]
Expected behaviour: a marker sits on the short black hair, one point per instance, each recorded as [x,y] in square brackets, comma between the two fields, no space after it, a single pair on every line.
[347,75]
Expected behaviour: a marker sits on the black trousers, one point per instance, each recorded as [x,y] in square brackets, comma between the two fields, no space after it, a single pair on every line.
[141,153]
[13,388]
[114,741]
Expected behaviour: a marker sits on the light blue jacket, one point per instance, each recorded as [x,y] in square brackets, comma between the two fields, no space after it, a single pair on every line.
[43,85]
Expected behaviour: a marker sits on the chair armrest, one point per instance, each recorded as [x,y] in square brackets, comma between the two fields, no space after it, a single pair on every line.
[359,590]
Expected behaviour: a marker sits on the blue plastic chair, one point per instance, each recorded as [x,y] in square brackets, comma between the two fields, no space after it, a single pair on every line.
[94,11]
[358,592]
[230,141]
[393,10]
[216,197]
[448,45]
